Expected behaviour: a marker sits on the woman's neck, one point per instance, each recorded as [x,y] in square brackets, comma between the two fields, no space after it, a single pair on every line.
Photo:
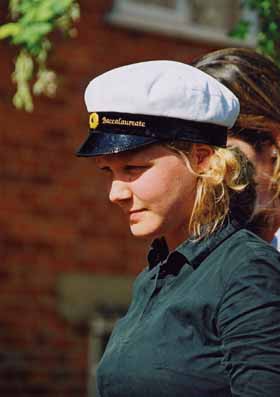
[265,225]
[174,239]
[267,234]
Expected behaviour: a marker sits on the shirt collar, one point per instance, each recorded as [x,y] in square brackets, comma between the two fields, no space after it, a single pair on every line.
[191,252]
[158,252]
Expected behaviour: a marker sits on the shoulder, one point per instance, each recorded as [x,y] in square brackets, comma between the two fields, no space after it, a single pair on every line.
[250,244]
[247,254]
[251,288]
[253,244]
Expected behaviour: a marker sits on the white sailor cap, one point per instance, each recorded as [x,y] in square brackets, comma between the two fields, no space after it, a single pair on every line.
[156,101]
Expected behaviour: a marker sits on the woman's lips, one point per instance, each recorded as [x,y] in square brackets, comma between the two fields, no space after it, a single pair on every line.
[135,215]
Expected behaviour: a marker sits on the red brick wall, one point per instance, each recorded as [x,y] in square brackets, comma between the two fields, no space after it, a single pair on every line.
[53,213]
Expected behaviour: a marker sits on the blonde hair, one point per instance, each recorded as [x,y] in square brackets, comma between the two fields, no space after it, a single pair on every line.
[226,188]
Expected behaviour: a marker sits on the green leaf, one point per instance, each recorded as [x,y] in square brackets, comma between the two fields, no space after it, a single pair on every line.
[272,27]
[34,21]
[31,35]
[268,39]
[240,31]
[46,10]
[10,29]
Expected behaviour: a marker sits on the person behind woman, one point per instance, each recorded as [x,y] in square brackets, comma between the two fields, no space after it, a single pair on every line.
[204,319]
[255,80]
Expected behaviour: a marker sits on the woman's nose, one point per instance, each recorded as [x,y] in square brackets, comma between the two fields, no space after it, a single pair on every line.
[119,191]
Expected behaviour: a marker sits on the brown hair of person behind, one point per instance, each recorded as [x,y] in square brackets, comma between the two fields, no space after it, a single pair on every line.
[255,80]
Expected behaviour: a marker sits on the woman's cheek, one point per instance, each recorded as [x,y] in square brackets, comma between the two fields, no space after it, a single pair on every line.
[150,186]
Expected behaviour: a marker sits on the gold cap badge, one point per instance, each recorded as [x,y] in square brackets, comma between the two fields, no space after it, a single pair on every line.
[93,120]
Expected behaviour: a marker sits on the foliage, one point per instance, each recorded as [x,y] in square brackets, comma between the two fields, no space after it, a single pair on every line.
[32,23]
[268,39]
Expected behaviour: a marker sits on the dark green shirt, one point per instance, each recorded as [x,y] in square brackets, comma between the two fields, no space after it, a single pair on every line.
[204,322]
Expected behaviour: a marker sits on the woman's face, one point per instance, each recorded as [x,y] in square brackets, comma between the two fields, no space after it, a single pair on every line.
[155,190]
[264,165]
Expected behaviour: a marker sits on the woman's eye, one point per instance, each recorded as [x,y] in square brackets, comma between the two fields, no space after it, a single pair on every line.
[135,168]
[106,170]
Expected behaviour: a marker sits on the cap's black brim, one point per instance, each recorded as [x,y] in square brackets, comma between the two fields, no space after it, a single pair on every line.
[101,143]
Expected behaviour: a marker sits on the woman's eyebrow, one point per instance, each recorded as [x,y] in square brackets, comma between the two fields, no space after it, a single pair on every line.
[101,164]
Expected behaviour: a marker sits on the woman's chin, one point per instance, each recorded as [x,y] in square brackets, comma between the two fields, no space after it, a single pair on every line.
[142,230]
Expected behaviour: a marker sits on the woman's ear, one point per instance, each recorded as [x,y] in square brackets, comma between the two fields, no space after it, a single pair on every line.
[200,156]
[275,127]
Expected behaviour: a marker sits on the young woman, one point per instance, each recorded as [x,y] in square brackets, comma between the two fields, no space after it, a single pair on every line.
[255,80]
[204,319]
